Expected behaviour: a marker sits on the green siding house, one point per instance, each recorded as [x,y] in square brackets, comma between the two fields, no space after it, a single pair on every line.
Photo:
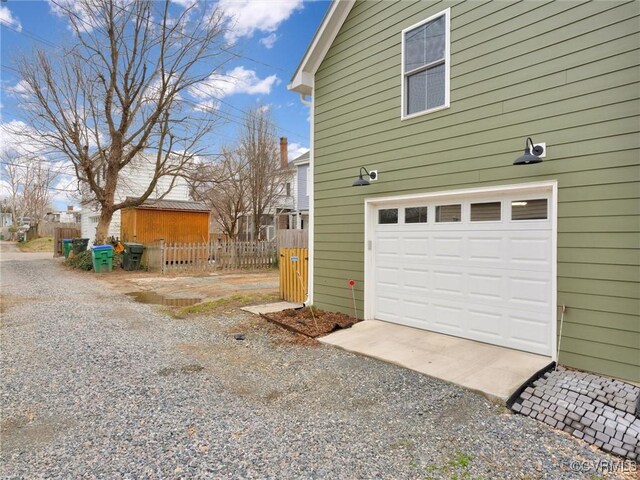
[439,98]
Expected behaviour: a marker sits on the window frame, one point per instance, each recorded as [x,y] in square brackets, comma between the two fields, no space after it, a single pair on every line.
[447,66]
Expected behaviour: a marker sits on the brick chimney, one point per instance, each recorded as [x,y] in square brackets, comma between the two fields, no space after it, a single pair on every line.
[284,154]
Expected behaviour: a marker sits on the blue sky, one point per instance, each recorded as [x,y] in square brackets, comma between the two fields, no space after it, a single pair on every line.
[270,37]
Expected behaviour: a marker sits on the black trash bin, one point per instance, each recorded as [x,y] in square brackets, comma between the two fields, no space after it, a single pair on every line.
[132,256]
[79,245]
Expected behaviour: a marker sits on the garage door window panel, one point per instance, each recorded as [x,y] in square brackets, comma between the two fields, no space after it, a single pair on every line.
[415,215]
[486,212]
[536,209]
[388,216]
[448,213]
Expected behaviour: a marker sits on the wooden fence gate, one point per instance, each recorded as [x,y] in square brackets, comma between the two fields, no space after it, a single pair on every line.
[61,233]
[294,274]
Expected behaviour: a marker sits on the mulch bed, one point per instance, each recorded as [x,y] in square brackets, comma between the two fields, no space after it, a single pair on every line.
[316,325]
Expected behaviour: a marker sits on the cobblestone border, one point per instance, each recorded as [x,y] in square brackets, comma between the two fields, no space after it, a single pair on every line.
[599,410]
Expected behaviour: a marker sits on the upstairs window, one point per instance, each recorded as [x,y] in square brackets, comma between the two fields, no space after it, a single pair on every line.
[425,66]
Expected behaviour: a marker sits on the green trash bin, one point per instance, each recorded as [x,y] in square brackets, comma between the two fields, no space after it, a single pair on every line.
[79,245]
[102,256]
[132,257]
[66,247]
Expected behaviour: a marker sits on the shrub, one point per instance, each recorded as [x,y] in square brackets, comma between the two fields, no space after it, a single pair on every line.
[81,261]
[84,261]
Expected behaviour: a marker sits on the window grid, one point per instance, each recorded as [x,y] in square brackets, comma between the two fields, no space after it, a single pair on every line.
[425,66]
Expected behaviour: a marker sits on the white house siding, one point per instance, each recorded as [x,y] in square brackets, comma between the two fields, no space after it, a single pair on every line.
[303,195]
[134,180]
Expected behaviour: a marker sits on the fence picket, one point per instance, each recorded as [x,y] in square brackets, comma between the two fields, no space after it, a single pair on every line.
[198,257]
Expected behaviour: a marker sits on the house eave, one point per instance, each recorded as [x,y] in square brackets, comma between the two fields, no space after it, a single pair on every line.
[302,80]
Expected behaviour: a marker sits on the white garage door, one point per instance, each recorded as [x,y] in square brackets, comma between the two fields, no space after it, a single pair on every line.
[478,267]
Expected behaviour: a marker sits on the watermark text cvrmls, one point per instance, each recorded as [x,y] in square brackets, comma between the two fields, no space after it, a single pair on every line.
[602,466]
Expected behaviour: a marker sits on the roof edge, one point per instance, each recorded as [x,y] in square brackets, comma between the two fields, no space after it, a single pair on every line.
[302,81]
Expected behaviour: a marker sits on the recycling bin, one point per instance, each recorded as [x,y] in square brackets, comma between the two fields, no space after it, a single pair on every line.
[102,256]
[79,245]
[66,247]
[132,256]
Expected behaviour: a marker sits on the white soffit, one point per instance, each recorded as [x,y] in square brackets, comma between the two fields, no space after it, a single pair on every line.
[302,80]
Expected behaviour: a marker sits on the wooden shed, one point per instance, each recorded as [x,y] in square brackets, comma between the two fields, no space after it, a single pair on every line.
[168,220]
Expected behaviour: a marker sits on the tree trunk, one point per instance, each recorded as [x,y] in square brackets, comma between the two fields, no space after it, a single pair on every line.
[102,230]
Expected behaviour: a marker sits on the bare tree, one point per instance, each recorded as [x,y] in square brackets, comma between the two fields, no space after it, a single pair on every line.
[12,174]
[123,88]
[265,178]
[223,187]
[28,181]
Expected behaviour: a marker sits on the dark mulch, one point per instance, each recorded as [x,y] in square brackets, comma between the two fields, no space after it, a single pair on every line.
[316,325]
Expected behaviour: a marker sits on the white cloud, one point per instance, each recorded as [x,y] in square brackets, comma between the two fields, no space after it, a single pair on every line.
[207,106]
[269,41]
[294,150]
[21,138]
[250,16]
[238,80]
[7,18]
[86,19]
[64,190]
[185,3]
[20,89]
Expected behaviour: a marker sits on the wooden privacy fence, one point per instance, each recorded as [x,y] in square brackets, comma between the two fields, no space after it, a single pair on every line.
[47,229]
[199,257]
[293,238]
[61,233]
[294,274]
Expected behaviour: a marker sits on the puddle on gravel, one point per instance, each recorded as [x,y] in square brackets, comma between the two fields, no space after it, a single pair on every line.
[157,299]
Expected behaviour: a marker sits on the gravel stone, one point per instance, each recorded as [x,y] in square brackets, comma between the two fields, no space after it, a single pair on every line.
[94,385]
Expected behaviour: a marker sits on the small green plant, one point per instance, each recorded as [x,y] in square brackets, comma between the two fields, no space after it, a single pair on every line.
[461,460]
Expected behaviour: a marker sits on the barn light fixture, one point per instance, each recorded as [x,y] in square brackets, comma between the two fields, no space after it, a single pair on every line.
[361,182]
[530,157]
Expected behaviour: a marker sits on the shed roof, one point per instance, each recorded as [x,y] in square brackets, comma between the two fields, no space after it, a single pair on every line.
[187,206]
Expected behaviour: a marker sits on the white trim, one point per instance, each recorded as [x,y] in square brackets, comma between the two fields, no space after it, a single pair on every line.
[311,193]
[302,80]
[554,270]
[447,65]
[370,205]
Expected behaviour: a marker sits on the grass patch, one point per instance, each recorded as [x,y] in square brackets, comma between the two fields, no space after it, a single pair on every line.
[44,244]
[456,469]
[224,304]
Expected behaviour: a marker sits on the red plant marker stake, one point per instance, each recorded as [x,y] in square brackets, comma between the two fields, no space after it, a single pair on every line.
[352,284]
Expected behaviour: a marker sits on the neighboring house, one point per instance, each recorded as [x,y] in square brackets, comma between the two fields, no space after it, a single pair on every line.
[452,237]
[303,184]
[6,219]
[133,182]
[284,204]
[282,211]
[70,215]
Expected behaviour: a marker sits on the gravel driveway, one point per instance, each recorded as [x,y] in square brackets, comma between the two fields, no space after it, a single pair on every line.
[97,386]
